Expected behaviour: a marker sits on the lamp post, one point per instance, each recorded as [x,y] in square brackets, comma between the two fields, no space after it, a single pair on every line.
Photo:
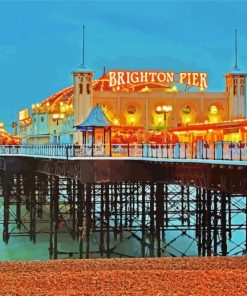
[165,110]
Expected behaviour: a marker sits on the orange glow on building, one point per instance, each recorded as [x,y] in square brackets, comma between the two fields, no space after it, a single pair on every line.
[143,106]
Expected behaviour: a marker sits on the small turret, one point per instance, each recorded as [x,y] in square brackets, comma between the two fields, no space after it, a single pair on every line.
[82,100]
[236,90]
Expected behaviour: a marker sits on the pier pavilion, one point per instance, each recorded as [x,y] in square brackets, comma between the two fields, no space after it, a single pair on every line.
[156,105]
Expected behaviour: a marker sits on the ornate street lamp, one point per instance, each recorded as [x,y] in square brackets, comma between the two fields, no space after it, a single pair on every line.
[58,116]
[165,110]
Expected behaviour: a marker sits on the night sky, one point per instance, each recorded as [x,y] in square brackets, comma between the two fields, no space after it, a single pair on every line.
[41,42]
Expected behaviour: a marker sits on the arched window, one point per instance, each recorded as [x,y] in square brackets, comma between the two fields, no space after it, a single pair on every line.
[186,110]
[235,90]
[131,109]
[213,110]
[242,89]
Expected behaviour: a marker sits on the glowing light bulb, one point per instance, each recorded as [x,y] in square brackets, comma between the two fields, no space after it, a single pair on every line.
[158,109]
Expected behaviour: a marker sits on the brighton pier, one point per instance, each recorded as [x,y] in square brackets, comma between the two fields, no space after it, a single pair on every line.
[131,170]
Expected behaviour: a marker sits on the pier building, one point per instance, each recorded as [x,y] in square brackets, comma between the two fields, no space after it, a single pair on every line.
[154,105]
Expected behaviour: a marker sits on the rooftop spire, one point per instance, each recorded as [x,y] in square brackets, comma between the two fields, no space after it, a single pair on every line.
[83,45]
[236,48]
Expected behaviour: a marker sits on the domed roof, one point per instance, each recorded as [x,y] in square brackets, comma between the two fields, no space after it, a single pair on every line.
[56,102]
[83,69]
[236,70]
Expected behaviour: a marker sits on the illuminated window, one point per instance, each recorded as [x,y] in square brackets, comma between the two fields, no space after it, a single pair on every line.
[186,110]
[213,109]
[131,109]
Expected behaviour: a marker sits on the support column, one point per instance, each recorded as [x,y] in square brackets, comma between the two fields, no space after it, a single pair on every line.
[208,217]
[56,214]
[80,215]
[102,222]
[204,221]
[143,225]
[107,217]
[6,196]
[51,246]
[159,214]
[215,232]
[223,224]
[18,201]
[88,218]
[32,198]
[152,228]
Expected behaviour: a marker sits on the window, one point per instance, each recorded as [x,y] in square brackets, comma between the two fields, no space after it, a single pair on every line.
[235,90]
[213,109]
[42,119]
[241,90]
[186,110]
[131,109]
[80,88]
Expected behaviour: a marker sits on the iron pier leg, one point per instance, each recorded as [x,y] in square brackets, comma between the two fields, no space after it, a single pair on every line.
[166,210]
[152,229]
[199,220]
[56,214]
[6,195]
[229,216]
[143,242]
[115,211]
[51,247]
[121,211]
[204,221]
[32,208]
[102,215]
[182,205]
[188,206]
[246,224]
[208,217]
[18,201]
[72,207]
[88,218]
[80,216]
[159,214]
[215,233]
[107,216]
[223,224]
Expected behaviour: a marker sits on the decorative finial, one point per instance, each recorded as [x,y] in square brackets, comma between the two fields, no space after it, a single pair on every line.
[83,45]
[104,71]
[236,48]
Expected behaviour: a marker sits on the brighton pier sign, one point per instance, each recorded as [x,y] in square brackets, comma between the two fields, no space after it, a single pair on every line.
[119,78]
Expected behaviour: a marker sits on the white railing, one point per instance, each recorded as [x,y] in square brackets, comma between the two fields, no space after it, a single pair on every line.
[196,150]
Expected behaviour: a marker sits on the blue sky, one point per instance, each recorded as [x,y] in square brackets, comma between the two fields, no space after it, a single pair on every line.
[41,42]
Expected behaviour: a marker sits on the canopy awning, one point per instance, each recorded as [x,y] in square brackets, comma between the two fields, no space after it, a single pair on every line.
[96,118]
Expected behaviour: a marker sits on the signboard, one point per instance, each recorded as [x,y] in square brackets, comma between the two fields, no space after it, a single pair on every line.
[197,79]
[23,114]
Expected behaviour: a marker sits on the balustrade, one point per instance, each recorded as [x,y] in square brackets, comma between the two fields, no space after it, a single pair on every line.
[196,150]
